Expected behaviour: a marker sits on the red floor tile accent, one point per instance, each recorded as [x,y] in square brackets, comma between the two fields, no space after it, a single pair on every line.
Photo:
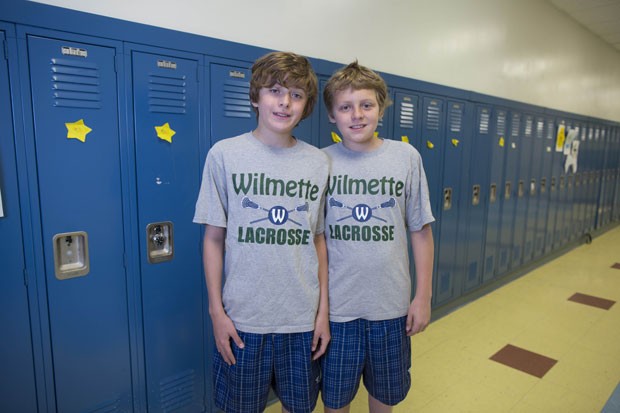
[592,301]
[524,360]
[616,266]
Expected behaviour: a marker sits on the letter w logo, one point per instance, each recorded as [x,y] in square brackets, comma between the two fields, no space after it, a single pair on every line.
[278,215]
[362,213]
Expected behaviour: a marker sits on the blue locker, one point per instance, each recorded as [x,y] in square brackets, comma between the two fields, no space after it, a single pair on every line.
[569,177]
[577,223]
[546,213]
[554,161]
[481,162]
[598,161]
[406,126]
[166,112]
[536,221]
[524,154]
[591,152]
[509,194]
[447,279]
[17,381]
[531,164]
[497,146]
[431,149]
[76,139]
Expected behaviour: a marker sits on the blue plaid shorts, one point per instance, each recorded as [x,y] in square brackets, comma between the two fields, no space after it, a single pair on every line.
[283,361]
[380,351]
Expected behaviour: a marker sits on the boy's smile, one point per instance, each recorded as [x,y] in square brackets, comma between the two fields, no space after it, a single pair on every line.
[280,109]
[356,113]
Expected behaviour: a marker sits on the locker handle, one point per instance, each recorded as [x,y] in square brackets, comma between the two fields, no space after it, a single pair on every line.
[475,199]
[533,187]
[160,242]
[543,185]
[71,255]
[507,190]
[521,189]
[447,198]
[493,193]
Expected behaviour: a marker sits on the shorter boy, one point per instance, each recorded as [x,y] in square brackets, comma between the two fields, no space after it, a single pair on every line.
[262,200]
[377,197]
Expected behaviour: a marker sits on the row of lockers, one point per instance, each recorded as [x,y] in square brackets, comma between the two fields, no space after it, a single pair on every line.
[103,306]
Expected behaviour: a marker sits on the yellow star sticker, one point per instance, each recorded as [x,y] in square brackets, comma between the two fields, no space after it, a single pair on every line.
[336,138]
[455,142]
[430,145]
[404,138]
[77,130]
[165,132]
[501,141]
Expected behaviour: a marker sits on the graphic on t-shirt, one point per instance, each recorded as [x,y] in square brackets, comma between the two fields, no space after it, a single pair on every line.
[277,215]
[361,212]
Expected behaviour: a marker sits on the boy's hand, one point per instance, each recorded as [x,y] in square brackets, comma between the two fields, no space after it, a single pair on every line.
[224,330]
[419,316]
[321,336]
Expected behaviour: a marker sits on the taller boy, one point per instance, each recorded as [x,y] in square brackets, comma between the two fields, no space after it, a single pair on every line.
[262,200]
[377,198]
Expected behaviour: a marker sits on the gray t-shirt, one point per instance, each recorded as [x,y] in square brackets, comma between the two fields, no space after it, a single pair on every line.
[373,201]
[271,201]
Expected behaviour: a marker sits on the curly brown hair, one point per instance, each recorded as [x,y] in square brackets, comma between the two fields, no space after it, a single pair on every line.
[286,69]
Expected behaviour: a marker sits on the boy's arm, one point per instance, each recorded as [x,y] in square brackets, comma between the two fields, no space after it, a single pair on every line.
[423,252]
[213,258]
[321,325]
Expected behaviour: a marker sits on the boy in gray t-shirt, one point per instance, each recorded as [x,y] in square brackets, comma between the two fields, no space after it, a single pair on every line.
[262,200]
[377,198]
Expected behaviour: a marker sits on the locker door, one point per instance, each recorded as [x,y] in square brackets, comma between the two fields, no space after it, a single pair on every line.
[497,147]
[551,185]
[509,194]
[76,134]
[477,204]
[167,131]
[521,251]
[445,287]
[582,173]
[431,150]
[542,156]
[559,200]
[17,382]
[532,182]
[569,223]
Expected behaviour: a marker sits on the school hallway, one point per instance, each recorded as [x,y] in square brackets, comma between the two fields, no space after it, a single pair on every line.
[546,342]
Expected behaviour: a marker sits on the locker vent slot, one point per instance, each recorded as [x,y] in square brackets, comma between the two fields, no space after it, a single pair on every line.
[501,123]
[456,118]
[516,124]
[237,99]
[529,126]
[75,84]
[177,391]
[433,116]
[167,94]
[485,118]
[549,130]
[540,128]
[407,115]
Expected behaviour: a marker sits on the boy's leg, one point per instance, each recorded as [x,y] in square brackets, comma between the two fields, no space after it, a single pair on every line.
[244,386]
[297,376]
[375,406]
[386,374]
[343,364]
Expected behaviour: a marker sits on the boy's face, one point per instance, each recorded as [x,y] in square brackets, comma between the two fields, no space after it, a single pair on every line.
[356,113]
[280,109]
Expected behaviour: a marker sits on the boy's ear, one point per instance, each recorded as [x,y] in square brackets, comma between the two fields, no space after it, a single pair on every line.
[255,104]
[331,118]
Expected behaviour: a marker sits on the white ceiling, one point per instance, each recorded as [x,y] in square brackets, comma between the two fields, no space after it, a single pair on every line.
[601,17]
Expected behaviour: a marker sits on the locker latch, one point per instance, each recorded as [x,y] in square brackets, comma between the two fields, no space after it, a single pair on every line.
[447,198]
[475,198]
[533,187]
[160,242]
[507,190]
[493,193]
[71,255]
[543,185]
[553,184]
[521,189]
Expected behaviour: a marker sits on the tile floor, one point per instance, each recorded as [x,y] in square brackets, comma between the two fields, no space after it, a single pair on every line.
[565,313]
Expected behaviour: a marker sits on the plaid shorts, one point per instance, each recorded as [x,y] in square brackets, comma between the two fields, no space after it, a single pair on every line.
[380,351]
[283,361]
